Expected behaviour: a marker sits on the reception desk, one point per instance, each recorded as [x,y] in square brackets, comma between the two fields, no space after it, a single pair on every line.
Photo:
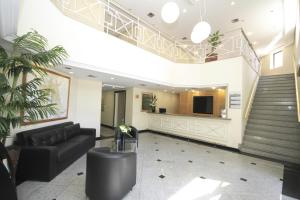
[204,128]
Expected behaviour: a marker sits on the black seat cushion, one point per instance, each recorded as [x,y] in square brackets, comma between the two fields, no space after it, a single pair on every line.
[48,138]
[84,140]
[71,131]
[67,150]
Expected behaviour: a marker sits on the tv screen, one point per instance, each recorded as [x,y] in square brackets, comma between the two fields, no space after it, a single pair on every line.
[203,104]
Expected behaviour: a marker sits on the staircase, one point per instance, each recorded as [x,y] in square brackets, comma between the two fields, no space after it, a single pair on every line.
[273,130]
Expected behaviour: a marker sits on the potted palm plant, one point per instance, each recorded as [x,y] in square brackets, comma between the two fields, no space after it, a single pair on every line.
[19,100]
[214,41]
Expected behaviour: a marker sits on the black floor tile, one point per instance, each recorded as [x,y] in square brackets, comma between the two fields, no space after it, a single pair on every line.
[291,181]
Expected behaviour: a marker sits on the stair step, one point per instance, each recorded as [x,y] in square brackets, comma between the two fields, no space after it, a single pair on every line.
[293,153]
[263,95]
[275,112]
[275,99]
[274,117]
[273,135]
[270,155]
[290,91]
[271,141]
[276,129]
[271,85]
[278,76]
[262,103]
[274,123]
[267,107]
[271,81]
[260,89]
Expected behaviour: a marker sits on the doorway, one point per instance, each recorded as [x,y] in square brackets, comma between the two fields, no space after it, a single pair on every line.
[119,108]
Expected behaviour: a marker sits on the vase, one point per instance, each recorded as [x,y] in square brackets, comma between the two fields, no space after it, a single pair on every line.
[153,109]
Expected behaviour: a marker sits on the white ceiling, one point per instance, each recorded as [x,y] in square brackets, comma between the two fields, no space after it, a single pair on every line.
[261,20]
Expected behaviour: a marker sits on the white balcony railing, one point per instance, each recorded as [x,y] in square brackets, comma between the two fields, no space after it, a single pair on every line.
[111,18]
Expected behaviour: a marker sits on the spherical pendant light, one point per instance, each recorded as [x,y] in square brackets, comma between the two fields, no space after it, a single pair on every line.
[200,32]
[170,12]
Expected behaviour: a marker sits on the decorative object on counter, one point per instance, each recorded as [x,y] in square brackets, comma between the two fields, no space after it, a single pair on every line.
[162,110]
[224,113]
[153,103]
[214,41]
[146,101]
[20,100]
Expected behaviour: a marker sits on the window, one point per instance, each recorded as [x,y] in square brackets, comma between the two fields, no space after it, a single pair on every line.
[277,60]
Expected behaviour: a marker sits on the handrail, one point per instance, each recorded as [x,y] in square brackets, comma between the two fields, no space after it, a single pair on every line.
[249,43]
[251,98]
[297,87]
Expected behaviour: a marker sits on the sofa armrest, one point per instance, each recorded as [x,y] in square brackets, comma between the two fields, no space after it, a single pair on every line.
[88,131]
[37,163]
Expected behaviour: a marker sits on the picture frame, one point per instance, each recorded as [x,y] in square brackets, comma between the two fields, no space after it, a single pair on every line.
[60,95]
[146,100]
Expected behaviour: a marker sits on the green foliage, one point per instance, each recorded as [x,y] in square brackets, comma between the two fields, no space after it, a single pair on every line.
[125,129]
[215,40]
[29,56]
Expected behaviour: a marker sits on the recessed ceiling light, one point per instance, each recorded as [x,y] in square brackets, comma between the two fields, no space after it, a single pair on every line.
[232,3]
[213,88]
[71,72]
[184,10]
[150,14]
[235,20]
[112,78]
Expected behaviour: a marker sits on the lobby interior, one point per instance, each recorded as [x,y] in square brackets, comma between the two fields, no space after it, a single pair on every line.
[225,122]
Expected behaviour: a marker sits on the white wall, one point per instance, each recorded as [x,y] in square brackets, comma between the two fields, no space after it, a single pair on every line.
[297,35]
[107,115]
[87,111]
[89,47]
[84,107]
[287,67]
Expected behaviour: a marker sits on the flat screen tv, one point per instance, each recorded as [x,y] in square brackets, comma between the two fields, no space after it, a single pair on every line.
[203,104]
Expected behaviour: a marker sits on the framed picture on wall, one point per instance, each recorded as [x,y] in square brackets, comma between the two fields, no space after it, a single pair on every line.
[59,95]
[146,100]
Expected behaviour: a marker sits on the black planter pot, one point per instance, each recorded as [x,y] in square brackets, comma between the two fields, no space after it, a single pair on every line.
[153,109]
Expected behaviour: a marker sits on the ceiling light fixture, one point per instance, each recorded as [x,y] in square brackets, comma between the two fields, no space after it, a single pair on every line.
[112,78]
[170,12]
[232,3]
[71,72]
[202,29]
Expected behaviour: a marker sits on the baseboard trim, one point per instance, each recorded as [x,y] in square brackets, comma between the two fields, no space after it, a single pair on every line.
[107,126]
[195,141]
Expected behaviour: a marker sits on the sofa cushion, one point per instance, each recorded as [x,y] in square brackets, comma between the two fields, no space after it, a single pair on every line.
[85,141]
[47,138]
[67,150]
[71,131]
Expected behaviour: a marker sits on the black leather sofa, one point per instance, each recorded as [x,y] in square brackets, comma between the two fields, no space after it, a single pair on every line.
[109,175]
[47,151]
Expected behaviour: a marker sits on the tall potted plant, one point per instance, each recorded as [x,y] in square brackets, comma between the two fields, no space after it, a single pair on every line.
[214,41]
[21,100]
